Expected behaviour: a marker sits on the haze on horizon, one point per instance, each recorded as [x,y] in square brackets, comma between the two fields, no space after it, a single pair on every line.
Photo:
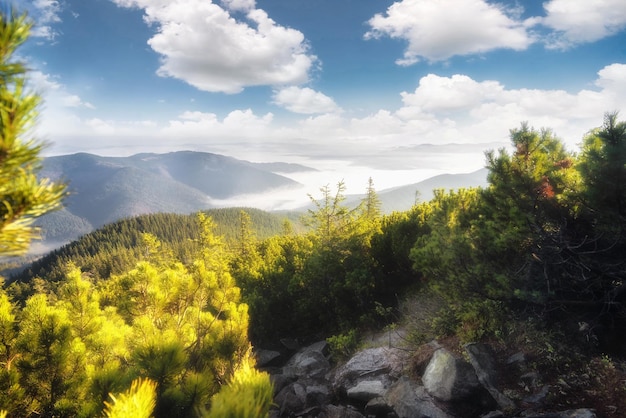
[394,90]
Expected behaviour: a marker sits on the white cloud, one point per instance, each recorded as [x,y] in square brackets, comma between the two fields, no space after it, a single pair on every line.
[237,124]
[304,100]
[202,44]
[581,21]
[437,30]
[45,14]
[485,110]
[243,5]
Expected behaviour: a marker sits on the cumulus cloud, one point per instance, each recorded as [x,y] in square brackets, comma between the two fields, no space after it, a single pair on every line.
[576,22]
[45,14]
[486,109]
[304,100]
[202,44]
[437,30]
[243,5]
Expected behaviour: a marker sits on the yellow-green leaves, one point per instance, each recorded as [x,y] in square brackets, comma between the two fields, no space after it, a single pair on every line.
[23,196]
[137,402]
[247,395]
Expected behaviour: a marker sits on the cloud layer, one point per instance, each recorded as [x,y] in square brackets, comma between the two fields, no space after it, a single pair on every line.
[440,110]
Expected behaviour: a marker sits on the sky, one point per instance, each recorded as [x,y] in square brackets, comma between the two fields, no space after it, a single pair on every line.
[393,90]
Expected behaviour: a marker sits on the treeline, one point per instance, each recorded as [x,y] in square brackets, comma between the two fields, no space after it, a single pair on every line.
[116,247]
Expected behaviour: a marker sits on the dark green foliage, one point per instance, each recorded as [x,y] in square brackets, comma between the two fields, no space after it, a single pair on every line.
[116,247]
[545,236]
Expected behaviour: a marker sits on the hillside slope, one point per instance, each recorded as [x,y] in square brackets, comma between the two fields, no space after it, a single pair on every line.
[105,189]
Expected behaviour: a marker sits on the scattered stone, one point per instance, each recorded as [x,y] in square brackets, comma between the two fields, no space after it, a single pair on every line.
[482,359]
[408,400]
[378,407]
[280,381]
[448,378]
[370,362]
[333,411]
[317,393]
[307,363]
[366,390]
[266,358]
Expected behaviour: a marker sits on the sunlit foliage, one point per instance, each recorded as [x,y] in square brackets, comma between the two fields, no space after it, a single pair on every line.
[23,196]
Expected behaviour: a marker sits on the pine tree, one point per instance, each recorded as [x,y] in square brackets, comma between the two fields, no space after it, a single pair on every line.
[24,197]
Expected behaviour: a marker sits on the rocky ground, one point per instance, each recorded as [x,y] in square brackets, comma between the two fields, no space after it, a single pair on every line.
[436,380]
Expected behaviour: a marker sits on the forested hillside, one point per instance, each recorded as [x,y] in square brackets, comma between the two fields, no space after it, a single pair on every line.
[116,247]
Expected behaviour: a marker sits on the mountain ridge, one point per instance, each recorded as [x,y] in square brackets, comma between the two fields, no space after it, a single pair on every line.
[106,189]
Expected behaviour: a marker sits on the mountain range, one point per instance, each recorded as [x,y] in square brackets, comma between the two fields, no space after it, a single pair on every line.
[106,189]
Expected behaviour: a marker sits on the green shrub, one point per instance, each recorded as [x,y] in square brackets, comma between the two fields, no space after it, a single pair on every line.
[343,345]
[248,395]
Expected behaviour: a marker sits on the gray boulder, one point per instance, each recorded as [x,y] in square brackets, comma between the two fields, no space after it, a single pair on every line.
[370,362]
[309,362]
[449,378]
[482,359]
[366,390]
[408,400]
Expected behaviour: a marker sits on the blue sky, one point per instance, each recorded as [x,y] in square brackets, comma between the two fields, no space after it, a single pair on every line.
[395,90]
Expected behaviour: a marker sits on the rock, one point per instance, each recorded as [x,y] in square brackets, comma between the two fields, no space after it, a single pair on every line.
[572,413]
[366,390]
[317,393]
[378,407]
[482,360]
[265,358]
[291,399]
[517,358]
[448,378]
[301,396]
[370,362]
[538,397]
[321,346]
[334,411]
[280,381]
[290,344]
[408,400]
[307,363]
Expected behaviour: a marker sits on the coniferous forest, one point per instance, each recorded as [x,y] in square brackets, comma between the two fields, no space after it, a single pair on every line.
[157,316]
